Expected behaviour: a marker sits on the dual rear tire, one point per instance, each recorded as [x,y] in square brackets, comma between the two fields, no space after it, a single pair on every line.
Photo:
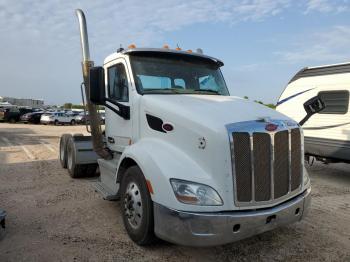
[68,158]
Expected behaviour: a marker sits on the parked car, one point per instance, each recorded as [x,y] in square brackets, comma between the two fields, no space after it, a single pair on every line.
[57,118]
[13,114]
[85,119]
[33,118]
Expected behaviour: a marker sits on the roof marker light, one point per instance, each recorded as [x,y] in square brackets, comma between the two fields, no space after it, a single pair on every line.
[166,46]
[199,51]
[132,46]
[189,50]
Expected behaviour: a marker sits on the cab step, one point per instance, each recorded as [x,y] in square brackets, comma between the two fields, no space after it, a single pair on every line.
[105,191]
[107,185]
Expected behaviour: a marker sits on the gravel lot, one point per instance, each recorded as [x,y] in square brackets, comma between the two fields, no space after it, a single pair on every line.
[52,217]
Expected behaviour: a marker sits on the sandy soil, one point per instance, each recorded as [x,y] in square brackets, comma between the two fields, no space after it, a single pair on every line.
[52,217]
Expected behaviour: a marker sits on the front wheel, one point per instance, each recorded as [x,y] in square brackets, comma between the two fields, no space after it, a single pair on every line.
[137,207]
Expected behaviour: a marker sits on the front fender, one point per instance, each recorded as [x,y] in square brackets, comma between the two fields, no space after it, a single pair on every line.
[161,161]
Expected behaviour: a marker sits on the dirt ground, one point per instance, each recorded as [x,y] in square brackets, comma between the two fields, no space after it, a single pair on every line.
[52,217]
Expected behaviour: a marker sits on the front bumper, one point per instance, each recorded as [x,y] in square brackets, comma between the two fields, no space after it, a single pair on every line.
[211,229]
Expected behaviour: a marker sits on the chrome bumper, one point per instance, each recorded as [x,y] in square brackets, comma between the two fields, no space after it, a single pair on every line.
[210,229]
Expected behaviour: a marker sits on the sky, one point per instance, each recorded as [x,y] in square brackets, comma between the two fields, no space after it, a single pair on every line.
[263,43]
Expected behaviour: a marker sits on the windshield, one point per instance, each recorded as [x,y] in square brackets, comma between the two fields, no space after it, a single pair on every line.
[177,75]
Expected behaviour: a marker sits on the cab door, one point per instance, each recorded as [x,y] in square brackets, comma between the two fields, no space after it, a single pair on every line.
[118,111]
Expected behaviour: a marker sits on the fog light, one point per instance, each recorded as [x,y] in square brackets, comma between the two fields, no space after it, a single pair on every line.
[236,228]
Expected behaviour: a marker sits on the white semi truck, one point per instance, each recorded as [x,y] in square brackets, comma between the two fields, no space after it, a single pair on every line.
[190,164]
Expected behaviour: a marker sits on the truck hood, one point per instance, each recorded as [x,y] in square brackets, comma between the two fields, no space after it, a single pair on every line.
[211,111]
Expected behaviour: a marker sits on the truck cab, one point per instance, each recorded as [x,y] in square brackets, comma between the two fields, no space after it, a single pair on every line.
[190,163]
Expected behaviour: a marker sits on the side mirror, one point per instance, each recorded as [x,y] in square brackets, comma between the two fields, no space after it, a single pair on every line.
[97,92]
[312,106]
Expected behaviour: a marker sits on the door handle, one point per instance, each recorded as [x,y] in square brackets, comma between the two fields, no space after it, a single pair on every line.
[110,140]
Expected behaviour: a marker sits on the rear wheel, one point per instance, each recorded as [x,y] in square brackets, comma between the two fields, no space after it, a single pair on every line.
[72,122]
[63,149]
[78,170]
[12,120]
[74,170]
[137,207]
[56,122]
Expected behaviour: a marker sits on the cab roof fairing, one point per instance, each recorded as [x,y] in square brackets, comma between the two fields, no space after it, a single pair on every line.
[126,52]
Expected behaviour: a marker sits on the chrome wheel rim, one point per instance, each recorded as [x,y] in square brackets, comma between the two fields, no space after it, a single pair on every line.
[133,205]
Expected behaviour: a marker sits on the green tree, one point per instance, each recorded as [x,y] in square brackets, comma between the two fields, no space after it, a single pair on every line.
[67,105]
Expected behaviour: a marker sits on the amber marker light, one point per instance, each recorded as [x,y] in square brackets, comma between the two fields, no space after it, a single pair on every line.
[165,46]
[132,46]
[149,186]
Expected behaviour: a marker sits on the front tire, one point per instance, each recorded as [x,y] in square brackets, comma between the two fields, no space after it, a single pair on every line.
[137,207]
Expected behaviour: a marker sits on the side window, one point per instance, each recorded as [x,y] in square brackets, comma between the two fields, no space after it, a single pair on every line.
[336,102]
[118,83]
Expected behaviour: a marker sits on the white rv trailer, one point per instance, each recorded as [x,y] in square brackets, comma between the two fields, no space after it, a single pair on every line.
[327,134]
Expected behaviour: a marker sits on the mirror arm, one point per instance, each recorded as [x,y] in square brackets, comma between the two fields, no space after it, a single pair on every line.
[302,122]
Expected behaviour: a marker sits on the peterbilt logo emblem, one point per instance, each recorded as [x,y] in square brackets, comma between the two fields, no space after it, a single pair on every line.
[271,127]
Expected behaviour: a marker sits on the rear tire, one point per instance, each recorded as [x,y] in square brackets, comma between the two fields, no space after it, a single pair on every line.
[74,170]
[12,120]
[137,207]
[72,122]
[56,122]
[63,149]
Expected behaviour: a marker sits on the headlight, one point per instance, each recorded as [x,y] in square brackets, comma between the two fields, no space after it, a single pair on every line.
[306,177]
[195,194]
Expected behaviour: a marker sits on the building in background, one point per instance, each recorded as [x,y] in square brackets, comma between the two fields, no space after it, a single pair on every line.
[25,102]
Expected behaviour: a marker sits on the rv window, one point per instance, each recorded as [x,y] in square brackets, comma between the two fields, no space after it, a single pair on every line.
[336,102]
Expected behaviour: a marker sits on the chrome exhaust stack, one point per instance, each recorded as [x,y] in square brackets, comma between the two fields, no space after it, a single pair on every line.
[96,132]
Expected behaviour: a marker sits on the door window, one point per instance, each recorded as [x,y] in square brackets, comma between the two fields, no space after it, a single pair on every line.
[118,83]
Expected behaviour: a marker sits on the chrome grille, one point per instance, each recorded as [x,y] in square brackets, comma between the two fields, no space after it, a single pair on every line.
[262,167]
[281,164]
[296,161]
[243,166]
[267,166]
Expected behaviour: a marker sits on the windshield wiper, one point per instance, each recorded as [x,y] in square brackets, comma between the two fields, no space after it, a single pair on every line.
[164,90]
[206,90]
